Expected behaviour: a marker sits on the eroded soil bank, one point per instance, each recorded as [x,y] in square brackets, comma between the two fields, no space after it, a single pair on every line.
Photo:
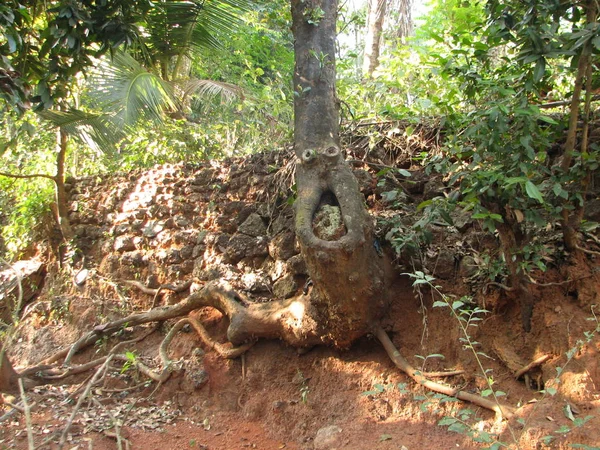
[232,220]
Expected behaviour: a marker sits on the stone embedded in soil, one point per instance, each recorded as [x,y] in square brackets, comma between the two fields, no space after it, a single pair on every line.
[283,246]
[253,226]
[241,245]
[328,438]
[124,244]
[297,265]
[285,287]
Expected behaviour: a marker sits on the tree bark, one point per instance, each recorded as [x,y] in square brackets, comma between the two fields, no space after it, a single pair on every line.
[375,17]
[405,23]
[62,209]
[571,215]
[332,225]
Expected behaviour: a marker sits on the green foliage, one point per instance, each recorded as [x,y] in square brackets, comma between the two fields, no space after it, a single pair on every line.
[25,213]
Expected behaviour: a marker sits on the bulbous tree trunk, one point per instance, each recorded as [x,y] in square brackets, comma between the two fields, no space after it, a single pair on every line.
[332,224]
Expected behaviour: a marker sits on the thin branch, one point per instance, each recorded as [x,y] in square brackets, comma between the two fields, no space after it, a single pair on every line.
[27,410]
[95,378]
[564,103]
[35,175]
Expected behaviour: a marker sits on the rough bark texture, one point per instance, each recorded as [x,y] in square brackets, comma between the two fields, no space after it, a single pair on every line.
[347,298]
[375,18]
[62,209]
[405,23]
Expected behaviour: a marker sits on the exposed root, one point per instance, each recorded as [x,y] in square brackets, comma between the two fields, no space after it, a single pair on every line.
[222,349]
[417,376]
[177,288]
[536,362]
[448,373]
[217,295]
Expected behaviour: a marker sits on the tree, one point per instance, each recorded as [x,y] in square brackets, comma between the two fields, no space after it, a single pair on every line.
[403,9]
[334,230]
[375,18]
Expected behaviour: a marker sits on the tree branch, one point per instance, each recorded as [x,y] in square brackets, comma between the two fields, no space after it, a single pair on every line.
[33,175]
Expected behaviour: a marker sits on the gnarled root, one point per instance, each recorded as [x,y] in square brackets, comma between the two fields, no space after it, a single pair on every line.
[291,320]
[405,367]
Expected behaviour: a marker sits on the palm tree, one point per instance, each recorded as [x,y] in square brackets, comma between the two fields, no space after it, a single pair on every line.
[153,78]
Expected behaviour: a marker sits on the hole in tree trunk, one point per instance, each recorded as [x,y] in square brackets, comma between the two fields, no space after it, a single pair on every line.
[327,223]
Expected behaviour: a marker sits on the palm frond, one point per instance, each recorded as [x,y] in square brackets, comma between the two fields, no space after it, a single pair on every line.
[129,91]
[175,27]
[210,89]
[94,130]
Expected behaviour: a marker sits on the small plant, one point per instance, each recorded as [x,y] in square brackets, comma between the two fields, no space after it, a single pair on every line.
[131,359]
[302,381]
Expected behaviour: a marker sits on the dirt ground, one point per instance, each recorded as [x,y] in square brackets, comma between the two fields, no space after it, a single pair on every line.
[276,398]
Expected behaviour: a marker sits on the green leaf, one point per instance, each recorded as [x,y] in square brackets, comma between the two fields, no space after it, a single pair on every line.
[385,437]
[539,70]
[439,304]
[569,413]
[487,393]
[547,119]
[533,192]
[457,304]
[404,173]
[447,421]
[551,391]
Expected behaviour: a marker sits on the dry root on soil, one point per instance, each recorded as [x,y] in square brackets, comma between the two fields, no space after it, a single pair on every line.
[418,377]
[217,295]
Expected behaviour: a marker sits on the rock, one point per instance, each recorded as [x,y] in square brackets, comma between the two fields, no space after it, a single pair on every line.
[461,219]
[30,274]
[285,287]
[296,265]
[134,258]
[241,245]
[283,246]
[152,229]
[467,267]
[284,221]
[366,181]
[442,265]
[328,438]
[186,252]
[254,282]
[433,188]
[210,273]
[253,226]
[592,210]
[124,244]
[203,177]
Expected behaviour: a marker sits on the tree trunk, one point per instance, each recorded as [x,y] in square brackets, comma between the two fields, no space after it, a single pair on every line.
[573,213]
[332,224]
[62,208]
[405,23]
[375,17]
